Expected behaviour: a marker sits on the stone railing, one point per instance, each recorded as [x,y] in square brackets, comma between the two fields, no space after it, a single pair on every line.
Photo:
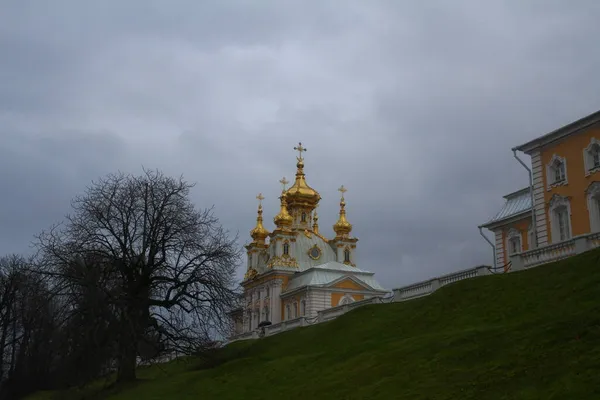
[427,287]
[322,316]
[556,251]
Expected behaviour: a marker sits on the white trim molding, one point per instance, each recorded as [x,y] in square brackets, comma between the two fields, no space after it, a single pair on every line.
[556,162]
[593,203]
[588,157]
[559,204]
[530,238]
[513,235]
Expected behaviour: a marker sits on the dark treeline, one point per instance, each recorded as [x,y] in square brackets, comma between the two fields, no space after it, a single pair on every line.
[133,273]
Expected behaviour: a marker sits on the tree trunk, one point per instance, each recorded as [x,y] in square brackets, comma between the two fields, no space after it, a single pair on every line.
[127,359]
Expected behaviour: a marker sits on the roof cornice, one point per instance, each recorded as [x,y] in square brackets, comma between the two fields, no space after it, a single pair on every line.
[559,133]
[507,220]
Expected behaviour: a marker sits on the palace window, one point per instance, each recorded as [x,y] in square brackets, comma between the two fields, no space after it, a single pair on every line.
[593,196]
[560,215]
[287,312]
[556,172]
[591,156]
[347,255]
[295,310]
[266,316]
[303,307]
[303,217]
[514,242]
[286,249]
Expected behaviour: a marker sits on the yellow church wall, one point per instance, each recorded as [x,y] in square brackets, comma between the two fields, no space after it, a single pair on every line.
[348,284]
[571,148]
[336,297]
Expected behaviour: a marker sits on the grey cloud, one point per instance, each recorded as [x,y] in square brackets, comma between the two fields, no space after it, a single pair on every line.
[414,107]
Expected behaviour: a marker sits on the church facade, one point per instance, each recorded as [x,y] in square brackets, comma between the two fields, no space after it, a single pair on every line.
[294,271]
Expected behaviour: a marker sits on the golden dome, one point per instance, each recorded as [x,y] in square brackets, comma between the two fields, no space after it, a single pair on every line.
[259,233]
[283,219]
[342,227]
[300,194]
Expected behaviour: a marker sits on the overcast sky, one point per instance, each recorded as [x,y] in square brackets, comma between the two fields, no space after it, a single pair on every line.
[413,106]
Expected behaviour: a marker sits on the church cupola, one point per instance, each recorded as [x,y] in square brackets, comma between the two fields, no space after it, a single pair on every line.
[342,227]
[283,220]
[301,198]
[259,233]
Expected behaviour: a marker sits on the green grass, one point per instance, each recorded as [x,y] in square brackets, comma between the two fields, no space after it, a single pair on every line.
[525,335]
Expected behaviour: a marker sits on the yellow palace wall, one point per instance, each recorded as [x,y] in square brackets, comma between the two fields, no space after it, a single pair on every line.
[571,149]
[522,226]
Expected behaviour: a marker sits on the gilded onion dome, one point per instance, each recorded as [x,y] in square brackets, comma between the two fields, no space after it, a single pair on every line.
[300,194]
[342,227]
[259,233]
[283,220]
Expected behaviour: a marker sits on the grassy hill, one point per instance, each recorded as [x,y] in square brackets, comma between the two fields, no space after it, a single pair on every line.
[526,335]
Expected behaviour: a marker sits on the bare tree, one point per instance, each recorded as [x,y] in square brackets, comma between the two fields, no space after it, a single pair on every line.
[163,269]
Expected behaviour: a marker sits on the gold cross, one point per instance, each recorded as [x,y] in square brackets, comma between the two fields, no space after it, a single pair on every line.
[342,190]
[283,182]
[300,150]
[260,198]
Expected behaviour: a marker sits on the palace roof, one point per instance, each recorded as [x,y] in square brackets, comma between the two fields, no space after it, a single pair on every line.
[325,274]
[517,203]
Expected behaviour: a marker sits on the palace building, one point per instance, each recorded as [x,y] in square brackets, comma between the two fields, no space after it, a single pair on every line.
[558,215]
[295,271]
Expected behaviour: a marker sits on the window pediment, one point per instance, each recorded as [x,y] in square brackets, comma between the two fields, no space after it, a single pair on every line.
[556,172]
[591,157]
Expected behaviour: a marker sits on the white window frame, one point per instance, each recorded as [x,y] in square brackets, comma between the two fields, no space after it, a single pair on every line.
[588,158]
[557,202]
[593,203]
[512,235]
[288,311]
[346,299]
[551,172]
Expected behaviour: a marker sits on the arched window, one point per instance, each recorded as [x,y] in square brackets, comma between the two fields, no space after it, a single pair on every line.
[303,218]
[513,239]
[346,299]
[560,218]
[303,308]
[556,172]
[295,310]
[591,156]
[286,249]
[287,312]
[593,195]
[347,255]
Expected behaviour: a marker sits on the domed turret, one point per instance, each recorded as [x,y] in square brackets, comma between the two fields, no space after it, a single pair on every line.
[342,227]
[300,195]
[259,233]
[283,220]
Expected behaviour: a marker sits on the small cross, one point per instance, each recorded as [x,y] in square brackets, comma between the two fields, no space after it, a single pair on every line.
[260,198]
[342,190]
[300,150]
[283,182]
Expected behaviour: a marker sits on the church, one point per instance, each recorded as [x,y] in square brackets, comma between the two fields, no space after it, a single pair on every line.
[295,271]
